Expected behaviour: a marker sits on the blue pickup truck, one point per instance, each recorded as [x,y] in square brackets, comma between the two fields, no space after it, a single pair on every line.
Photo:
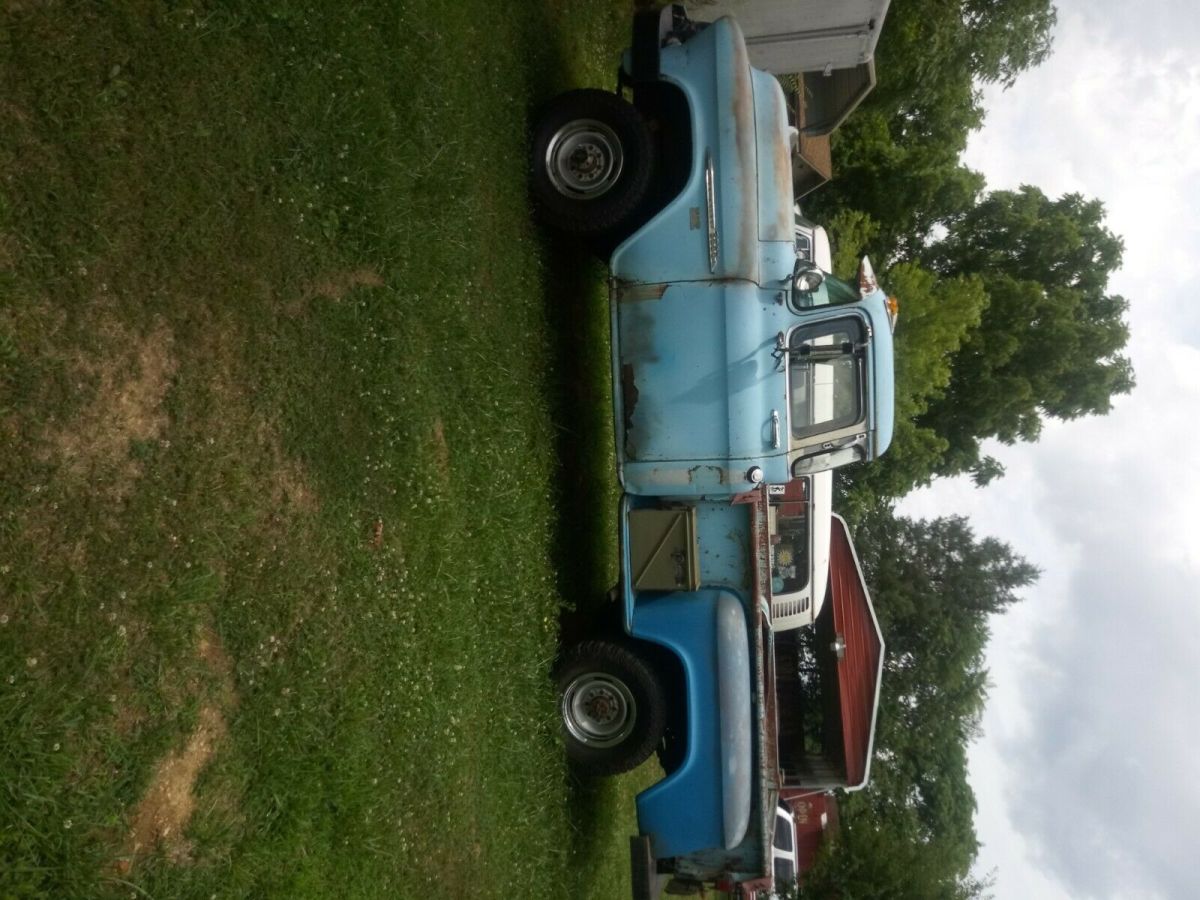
[742,374]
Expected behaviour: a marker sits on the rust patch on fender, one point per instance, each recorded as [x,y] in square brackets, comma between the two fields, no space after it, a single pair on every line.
[633,291]
[724,475]
[637,327]
[629,399]
[782,147]
[743,123]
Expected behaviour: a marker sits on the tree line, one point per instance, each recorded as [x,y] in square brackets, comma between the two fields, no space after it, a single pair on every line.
[1006,320]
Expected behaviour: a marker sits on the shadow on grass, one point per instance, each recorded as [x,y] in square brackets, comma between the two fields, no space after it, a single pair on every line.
[580,392]
[585,547]
[591,803]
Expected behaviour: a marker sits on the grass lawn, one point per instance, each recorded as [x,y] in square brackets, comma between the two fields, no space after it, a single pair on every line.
[304,442]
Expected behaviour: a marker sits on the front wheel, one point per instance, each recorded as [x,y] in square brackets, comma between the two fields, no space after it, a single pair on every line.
[612,708]
[591,162]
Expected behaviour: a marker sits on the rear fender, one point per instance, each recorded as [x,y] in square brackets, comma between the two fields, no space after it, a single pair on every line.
[706,803]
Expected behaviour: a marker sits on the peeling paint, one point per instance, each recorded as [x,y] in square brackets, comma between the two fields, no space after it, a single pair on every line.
[663,475]
[710,474]
[742,113]
[632,291]
[629,399]
[775,151]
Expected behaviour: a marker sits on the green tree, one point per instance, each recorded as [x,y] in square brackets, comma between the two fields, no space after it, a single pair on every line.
[1005,320]
[1049,340]
[936,315]
[1061,243]
[897,158]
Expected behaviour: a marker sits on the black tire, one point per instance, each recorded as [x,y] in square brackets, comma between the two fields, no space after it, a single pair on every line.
[592,161]
[611,707]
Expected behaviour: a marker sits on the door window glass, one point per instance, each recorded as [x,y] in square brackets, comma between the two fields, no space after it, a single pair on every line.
[824,377]
[783,833]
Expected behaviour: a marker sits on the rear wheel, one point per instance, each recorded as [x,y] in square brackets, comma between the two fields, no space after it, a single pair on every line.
[591,164]
[612,707]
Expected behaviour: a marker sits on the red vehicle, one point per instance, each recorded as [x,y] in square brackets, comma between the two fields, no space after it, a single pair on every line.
[827,681]
[802,824]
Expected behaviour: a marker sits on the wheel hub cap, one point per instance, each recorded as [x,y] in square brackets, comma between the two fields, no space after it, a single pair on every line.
[584,159]
[598,710]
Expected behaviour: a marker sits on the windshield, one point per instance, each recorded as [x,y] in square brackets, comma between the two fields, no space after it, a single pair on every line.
[840,291]
[824,377]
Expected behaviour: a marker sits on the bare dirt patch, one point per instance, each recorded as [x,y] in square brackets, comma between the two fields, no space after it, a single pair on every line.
[164,811]
[131,385]
[160,819]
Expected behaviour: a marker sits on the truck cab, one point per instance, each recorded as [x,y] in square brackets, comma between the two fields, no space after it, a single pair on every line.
[735,359]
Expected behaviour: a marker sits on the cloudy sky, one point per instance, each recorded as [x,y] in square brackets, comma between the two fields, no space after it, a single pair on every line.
[1086,776]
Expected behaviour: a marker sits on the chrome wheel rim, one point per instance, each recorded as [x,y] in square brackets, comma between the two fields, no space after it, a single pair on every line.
[584,159]
[598,710]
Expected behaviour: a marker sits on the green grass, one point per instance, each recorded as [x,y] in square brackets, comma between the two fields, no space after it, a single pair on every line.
[285,367]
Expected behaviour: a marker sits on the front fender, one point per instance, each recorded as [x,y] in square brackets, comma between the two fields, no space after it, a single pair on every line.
[713,71]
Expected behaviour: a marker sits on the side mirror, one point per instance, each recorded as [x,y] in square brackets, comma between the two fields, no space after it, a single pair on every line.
[807,277]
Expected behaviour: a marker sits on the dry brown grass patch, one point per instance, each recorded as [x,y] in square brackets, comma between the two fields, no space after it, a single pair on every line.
[10,251]
[287,483]
[336,285]
[131,385]
[161,817]
[284,479]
